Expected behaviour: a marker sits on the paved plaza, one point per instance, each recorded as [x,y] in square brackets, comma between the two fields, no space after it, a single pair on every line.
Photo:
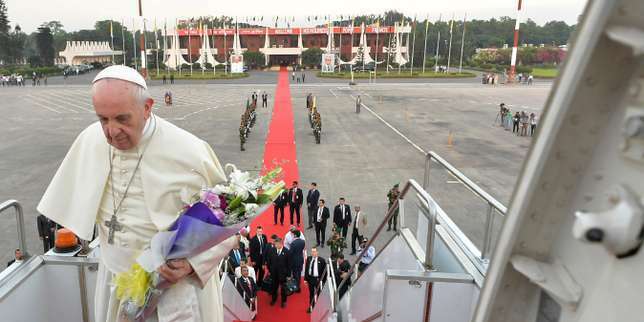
[360,157]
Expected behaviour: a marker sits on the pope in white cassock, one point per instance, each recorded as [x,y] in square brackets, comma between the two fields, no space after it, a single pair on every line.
[124,174]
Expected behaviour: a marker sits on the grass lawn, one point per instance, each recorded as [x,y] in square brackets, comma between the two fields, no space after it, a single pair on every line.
[199,75]
[395,74]
[545,72]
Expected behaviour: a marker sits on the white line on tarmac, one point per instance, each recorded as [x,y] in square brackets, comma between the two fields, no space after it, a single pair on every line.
[33,101]
[68,101]
[392,127]
[57,105]
[330,90]
[192,113]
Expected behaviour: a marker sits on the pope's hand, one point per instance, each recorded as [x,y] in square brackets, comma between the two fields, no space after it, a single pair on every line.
[175,270]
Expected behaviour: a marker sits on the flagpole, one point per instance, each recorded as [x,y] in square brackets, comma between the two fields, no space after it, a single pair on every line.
[144,71]
[165,44]
[413,46]
[214,66]
[202,39]
[375,65]
[134,43]
[438,43]
[190,45]
[460,65]
[156,43]
[449,52]
[225,51]
[389,47]
[112,36]
[425,46]
[123,40]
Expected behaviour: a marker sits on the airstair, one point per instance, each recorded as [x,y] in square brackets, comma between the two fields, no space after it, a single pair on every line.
[403,274]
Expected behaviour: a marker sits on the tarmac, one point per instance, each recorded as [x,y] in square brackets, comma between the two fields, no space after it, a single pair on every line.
[360,156]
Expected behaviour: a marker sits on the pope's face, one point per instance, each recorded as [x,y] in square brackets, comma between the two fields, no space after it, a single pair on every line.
[121,113]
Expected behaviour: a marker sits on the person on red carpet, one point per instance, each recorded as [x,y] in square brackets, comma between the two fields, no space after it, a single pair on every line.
[295,199]
[278,205]
[258,248]
[279,267]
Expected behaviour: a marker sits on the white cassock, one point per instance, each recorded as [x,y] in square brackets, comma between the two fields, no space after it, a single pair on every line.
[80,195]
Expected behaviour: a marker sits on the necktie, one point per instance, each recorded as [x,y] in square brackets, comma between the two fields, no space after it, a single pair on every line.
[294,191]
[260,244]
[319,214]
[342,207]
[237,255]
[355,223]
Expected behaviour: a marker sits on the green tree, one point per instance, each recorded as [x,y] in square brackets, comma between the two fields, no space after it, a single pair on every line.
[312,57]
[254,59]
[45,44]
[4,18]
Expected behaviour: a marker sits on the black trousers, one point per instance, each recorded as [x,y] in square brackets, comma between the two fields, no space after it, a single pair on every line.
[320,232]
[297,274]
[515,126]
[344,230]
[393,219]
[281,285]
[264,103]
[312,213]
[281,210]
[313,288]
[296,209]
[355,235]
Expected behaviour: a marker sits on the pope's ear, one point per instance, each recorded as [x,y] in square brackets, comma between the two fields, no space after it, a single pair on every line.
[148,106]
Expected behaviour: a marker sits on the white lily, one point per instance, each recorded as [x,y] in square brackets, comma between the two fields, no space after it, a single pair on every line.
[241,183]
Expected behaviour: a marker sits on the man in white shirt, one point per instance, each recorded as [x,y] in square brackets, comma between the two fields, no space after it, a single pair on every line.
[290,237]
[367,257]
[251,270]
[315,271]
[359,228]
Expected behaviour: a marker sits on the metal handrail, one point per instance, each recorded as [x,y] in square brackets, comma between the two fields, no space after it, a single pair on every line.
[493,204]
[463,179]
[20,223]
[411,184]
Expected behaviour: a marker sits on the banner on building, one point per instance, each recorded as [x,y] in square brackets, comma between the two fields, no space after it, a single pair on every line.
[328,63]
[236,63]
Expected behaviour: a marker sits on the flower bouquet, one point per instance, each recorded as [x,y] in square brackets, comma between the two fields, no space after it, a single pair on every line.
[208,218]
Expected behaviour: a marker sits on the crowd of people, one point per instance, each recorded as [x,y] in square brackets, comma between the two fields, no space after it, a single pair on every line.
[522,123]
[12,80]
[276,264]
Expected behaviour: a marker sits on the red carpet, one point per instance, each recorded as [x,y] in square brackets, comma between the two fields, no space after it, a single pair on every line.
[280,149]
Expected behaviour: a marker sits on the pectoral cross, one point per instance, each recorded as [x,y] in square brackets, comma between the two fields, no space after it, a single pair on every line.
[113,226]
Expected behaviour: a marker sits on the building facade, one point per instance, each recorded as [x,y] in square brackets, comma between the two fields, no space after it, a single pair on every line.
[284,46]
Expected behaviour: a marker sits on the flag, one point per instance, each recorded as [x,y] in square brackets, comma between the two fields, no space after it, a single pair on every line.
[111,29]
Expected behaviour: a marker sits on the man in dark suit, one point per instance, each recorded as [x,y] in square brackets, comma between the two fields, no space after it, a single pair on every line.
[315,270]
[295,199]
[235,256]
[247,288]
[312,198]
[321,216]
[258,247]
[341,268]
[342,217]
[279,267]
[18,257]
[278,205]
[297,257]
[46,231]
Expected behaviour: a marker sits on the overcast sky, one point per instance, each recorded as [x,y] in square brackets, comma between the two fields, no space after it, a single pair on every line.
[81,14]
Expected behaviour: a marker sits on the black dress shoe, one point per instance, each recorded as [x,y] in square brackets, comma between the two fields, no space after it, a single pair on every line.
[388,228]
[308,310]
[283,304]
[272,302]
[352,253]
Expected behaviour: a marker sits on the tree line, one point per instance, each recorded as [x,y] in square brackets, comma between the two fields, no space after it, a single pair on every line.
[41,47]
